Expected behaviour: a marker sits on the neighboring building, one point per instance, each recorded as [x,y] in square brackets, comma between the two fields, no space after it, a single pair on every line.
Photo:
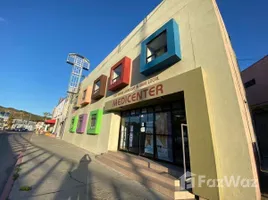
[59,114]
[1,123]
[256,85]
[171,92]
[4,120]
[40,126]
[20,123]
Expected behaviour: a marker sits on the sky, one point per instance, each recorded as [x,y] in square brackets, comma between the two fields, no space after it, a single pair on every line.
[36,37]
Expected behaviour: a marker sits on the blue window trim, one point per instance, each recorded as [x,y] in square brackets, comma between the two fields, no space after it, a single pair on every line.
[172,55]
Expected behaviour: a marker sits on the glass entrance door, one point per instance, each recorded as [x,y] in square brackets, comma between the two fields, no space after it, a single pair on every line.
[155,132]
[163,131]
[134,132]
[147,132]
[124,133]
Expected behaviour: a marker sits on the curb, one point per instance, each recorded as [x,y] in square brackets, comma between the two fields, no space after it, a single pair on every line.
[10,181]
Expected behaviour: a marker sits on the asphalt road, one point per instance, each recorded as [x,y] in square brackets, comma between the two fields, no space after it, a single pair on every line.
[11,144]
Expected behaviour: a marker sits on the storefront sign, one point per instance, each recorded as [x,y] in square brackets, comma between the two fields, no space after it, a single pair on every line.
[138,86]
[163,88]
[152,91]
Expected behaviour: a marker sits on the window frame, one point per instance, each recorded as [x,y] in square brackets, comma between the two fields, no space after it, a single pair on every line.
[167,59]
[159,49]
[81,126]
[93,116]
[96,84]
[250,83]
[98,120]
[84,94]
[74,122]
[118,78]
[100,92]
[123,80]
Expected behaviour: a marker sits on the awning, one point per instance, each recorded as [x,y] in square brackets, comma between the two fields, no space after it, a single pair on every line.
[50,121]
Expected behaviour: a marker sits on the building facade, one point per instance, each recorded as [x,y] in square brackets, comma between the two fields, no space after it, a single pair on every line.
[173,82]
[19,123]
[59,114]
[4,120]
[256,85]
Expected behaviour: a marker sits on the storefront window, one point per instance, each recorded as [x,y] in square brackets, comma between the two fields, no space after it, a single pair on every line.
[163,130]
[155,132]
[147,134]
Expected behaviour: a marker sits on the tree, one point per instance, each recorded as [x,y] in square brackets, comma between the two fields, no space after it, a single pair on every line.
[10,121]
[47,115]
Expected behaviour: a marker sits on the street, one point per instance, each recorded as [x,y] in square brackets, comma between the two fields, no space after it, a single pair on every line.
[11,144]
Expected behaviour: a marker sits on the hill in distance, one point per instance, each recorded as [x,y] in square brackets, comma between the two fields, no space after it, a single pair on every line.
[21,114]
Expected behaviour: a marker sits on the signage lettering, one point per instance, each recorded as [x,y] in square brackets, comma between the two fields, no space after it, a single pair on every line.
[135,87]
[140,95]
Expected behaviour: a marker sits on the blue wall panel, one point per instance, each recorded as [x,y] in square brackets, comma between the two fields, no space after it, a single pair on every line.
[172,55]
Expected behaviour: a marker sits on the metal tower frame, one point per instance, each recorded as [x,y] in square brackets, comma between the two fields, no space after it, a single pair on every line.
[79,63]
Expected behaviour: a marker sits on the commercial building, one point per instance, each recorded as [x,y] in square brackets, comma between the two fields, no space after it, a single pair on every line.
[4,119]
[256,84]
[19,123]
[59,115]
[171,92]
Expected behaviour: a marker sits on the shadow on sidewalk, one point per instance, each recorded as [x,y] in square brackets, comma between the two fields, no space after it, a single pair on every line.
[54,176]
[76,184]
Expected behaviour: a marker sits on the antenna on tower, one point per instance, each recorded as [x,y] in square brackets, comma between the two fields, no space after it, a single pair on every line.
[79,63]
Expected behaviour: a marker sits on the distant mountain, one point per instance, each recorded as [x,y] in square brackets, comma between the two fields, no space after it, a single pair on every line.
[21,114]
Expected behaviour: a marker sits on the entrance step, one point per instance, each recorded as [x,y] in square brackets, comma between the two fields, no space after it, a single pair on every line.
[156,177]
[141,169]
[139,160]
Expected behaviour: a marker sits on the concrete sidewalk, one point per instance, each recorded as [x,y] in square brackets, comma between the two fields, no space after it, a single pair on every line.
[58,170]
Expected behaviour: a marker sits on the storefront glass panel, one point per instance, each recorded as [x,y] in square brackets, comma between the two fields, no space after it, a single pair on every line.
[134,130]
[155,132]
[147,133]
[163,130]
[124,133]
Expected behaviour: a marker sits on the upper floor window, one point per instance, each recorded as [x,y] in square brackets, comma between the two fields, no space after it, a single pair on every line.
[97,86]
[250,83]
[161,49]
[84,94]
[116,74]
[157,47]
[120,74]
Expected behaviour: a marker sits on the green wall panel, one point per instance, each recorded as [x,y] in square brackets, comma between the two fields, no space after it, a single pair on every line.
[95,130]
[74,123]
